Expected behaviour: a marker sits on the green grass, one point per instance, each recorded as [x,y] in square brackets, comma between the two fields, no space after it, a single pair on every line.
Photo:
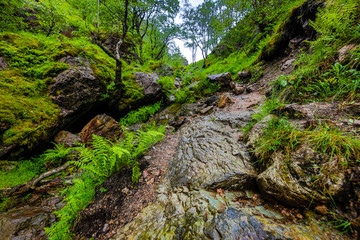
[25,170]
[281,135]
[317,77]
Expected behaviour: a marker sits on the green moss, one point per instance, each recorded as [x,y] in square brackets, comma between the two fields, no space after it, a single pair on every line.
[33,62]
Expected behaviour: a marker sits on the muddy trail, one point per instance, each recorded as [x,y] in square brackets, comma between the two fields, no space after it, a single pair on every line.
[200,182]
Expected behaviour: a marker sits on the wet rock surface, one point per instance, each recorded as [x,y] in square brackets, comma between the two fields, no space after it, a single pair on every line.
[151,88]
[210,157]
[3,64]
[223,78]
[76,90]
[208,189]
[101,125]
[24,223]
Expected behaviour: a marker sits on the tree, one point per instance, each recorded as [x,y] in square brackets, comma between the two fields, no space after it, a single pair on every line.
[198,27]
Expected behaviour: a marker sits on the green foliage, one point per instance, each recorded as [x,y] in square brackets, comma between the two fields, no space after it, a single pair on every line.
[9,15]
[78,196]
[25,170]
[140,115]
[326,139]
[281,135]
[103,158]
[316,77]
[266,108]
[344,225]
[183,96]
[337,83]
[96,165]
[168,85]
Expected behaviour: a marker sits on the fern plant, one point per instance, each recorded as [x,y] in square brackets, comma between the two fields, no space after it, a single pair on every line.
[96,164]
[140,115]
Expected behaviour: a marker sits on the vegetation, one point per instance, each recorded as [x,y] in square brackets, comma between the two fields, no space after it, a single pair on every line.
[318,76]
[96,164]
[140,115]
[119,38]
[25,170]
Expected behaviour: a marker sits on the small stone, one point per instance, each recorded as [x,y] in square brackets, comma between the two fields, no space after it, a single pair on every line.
[150,181]
[67,139]
[244,74]
[321,209]
[145,173]
[147,157]
[239,90]
[356,222]
[299,216]
[106,226]
[232,85]
[224,99]
[125,191]
[241,137]
[206,110]
[220,192]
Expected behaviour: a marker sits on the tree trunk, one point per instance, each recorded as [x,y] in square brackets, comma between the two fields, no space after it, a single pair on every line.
[118,80]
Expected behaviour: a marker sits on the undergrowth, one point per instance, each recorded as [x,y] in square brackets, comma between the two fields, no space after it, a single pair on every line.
[25,170]
[96,164]
[317,76]
[140,115]
[281,135]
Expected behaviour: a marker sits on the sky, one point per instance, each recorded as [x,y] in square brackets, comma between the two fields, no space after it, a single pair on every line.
[187,51]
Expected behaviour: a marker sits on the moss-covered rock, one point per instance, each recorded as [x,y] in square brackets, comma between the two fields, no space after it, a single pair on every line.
[29,114]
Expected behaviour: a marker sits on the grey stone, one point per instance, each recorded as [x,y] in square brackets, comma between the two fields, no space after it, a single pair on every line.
[76,89]
[151,88]
[223,78]
[211,157]
[23,223]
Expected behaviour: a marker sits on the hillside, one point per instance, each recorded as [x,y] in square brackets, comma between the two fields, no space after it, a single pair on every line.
[107,133]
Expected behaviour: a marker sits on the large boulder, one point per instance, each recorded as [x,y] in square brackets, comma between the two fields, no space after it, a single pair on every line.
[76,90]
[223,78]
[101,125]
[209,156]
[151,88]
[302,178]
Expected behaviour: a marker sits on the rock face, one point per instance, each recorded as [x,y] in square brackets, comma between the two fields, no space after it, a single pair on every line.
[211,158]
[223,78]
[152,89]
[293,184]
[343,53]
[102,125]
[199,196]
[24,223]
[76,89]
